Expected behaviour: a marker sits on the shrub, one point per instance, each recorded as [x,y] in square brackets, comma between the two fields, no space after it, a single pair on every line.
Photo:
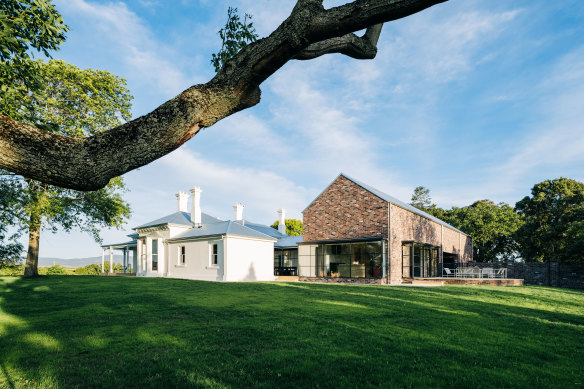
[11,270]
[89,270]
[56,270]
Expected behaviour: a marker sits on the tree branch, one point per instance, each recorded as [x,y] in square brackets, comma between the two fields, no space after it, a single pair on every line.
[89,163]
[364,47]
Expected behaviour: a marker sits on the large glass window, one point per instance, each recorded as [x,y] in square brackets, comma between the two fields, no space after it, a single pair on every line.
[407,260]
[286,262]
[342,260]
[154,254]
[420,260]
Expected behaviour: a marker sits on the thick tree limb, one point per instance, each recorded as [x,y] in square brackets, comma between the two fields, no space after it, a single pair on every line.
[89,163]
[351,45]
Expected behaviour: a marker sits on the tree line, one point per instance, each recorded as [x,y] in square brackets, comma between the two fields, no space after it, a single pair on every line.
[547,225]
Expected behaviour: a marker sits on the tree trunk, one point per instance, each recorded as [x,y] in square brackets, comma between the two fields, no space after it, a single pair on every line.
[31,268]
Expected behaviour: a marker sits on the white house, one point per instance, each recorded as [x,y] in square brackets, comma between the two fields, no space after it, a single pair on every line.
[198,246]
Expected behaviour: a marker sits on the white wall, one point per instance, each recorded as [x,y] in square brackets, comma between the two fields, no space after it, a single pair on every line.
[197,261]
[249,259]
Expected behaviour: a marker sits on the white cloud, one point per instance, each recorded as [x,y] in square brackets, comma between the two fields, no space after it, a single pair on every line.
[261,191]
[120,29]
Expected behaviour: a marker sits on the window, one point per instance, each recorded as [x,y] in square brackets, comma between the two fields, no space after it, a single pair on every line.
[214,250]
[182,254]
[343,260]
[154,254]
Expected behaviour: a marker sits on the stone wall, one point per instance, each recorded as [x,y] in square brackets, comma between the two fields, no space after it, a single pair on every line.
[542,273]
[345,211]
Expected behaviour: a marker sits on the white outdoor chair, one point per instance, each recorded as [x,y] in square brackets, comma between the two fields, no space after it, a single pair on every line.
[488,272]
[501,273]
[465,272]
[448,272]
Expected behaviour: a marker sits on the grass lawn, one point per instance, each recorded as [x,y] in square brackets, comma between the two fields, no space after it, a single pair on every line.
[64,331]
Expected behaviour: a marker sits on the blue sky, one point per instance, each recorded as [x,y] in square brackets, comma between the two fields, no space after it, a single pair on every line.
[471,99]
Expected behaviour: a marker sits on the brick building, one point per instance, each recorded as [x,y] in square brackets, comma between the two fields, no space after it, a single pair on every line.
[354,231]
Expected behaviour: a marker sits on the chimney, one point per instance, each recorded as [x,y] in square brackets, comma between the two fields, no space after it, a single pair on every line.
[182,201]
[196,208]
[282,221]
[238,211]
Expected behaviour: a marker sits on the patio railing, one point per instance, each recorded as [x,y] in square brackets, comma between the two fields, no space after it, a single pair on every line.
[458,270]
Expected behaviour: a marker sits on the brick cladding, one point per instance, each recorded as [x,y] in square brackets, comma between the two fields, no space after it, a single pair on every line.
[345,211]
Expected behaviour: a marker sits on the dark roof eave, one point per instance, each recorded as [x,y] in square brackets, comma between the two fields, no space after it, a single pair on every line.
[353,240]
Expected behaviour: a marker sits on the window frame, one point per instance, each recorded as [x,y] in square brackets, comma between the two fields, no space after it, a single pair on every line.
[182,255]
[214,254]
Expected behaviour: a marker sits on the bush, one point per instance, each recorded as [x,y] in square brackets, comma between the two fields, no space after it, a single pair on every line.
[89,270]
[11,270]
[56,270]
[95,269]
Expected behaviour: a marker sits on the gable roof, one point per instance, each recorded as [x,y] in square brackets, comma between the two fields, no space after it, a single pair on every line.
[389,199]
[180,218]
[288,241]
[264,229]
[221,228]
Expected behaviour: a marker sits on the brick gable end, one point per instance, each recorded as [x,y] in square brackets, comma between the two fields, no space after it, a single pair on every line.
[345,210]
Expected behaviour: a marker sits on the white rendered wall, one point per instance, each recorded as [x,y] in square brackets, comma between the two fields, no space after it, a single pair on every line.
[145,267]
[249,259]
[197,261]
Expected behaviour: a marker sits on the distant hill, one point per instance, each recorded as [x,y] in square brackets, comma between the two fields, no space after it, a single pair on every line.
[75,262]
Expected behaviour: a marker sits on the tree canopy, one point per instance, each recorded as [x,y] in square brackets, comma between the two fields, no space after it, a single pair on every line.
[26,26]
[492,228]
[294,227]
[554,214]
[421,198]
[75,103]
[309,31]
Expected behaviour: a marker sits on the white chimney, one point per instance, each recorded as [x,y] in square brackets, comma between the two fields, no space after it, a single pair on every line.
[196,207]
[282,221]
[182,201]
[238,211]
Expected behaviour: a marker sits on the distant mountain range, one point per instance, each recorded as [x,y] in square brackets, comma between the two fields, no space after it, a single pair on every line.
[75,262]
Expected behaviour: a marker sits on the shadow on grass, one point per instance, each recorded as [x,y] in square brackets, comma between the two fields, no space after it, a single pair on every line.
[137,332]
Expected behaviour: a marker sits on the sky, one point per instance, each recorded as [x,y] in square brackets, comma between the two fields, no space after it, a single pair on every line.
[471,99]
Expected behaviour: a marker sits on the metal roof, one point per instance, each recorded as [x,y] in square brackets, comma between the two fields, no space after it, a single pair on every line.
[124,244]
[389,199]
[288,241]
[181,218]
[264,229]
[221,228]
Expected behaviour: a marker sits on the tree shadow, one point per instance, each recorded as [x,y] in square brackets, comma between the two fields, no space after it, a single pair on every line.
[147,332]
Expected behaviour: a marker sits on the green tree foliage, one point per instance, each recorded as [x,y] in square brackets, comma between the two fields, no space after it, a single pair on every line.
[95,269]
[294,227]
[10,248]
[575,241]
[421,198]
[75,103]
[553,221]
[25,26]
[56,270]
[234,37]
[491,226]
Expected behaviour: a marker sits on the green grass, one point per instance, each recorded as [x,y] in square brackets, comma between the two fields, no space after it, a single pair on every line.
[62,331]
